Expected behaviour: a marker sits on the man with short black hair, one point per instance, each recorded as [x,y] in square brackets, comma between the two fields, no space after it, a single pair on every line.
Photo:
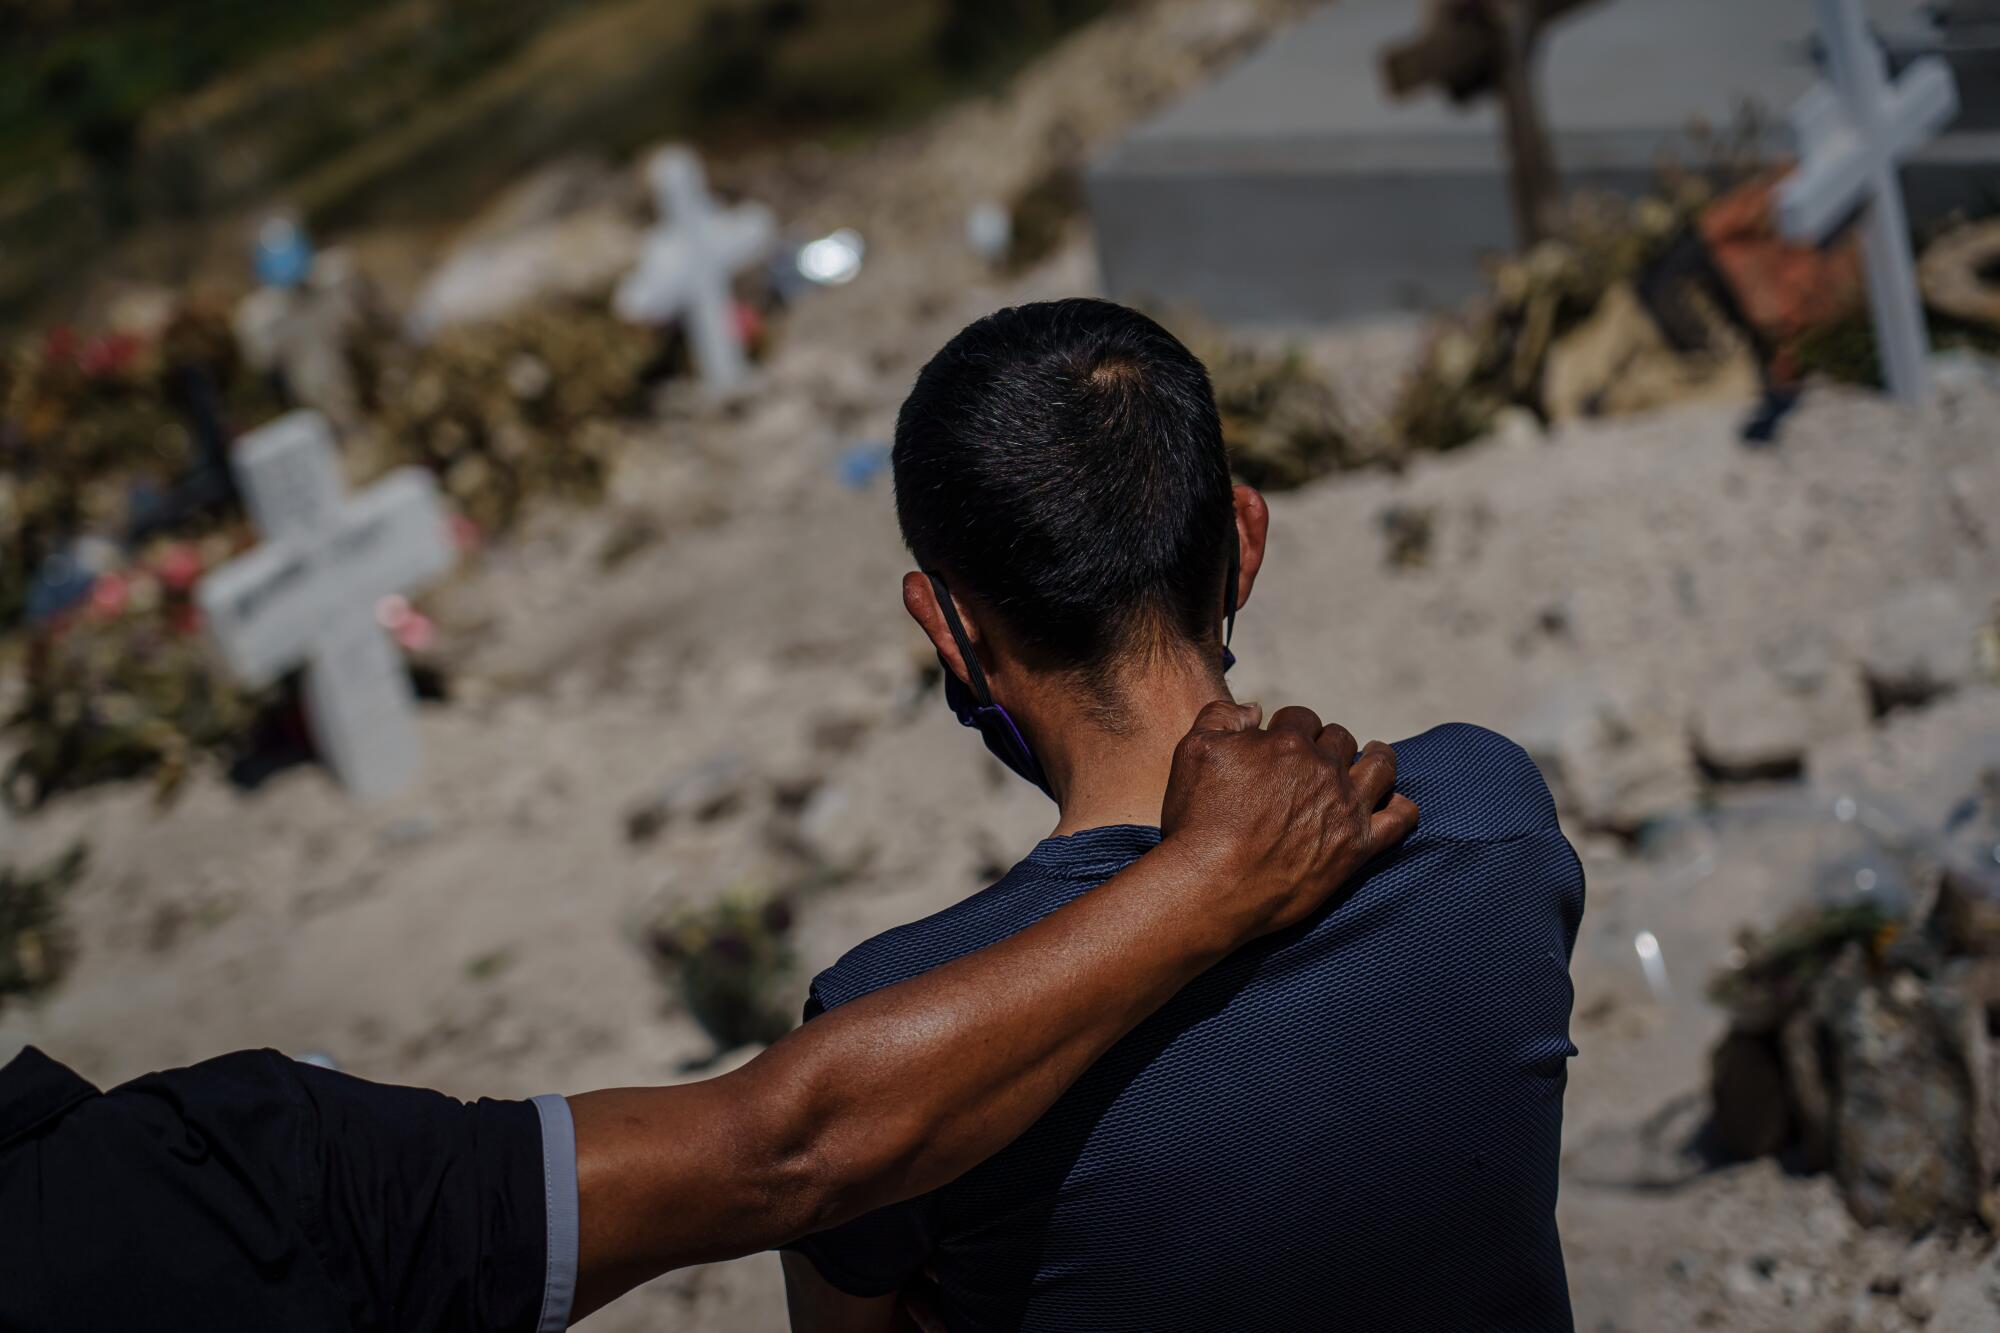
[1354,1124]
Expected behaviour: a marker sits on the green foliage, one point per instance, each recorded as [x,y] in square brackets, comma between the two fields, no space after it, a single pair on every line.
[85,419]
[733,959]
[511,412]
[35,948]
[1780,967]
[1281,422]
[126,687]
[1847,351]
[81,75]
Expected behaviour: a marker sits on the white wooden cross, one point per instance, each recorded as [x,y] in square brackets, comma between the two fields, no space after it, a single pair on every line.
[689,258]
[1852,136]
[308,595]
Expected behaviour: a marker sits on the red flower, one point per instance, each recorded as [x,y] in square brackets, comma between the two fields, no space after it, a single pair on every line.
[109,355]
[109,595]
[178,566]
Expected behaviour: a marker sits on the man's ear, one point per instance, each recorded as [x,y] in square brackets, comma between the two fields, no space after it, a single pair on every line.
[920,600]
[1253,524]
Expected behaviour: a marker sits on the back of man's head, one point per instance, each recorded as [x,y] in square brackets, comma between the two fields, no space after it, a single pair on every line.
[1063,461]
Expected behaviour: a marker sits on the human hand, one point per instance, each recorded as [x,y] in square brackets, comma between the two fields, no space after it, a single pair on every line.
[1282,816]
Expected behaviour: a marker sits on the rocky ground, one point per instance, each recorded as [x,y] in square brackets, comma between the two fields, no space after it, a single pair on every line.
[1707,646]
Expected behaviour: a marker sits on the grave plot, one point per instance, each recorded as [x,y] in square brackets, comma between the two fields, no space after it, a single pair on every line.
[1295,188]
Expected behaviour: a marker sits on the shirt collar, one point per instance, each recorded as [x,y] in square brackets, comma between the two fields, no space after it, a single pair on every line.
[35,1090]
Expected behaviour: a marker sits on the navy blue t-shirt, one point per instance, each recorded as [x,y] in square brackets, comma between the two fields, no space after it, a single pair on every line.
[1354,1124]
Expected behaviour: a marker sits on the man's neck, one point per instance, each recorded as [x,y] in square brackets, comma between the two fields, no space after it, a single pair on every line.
[1105,777]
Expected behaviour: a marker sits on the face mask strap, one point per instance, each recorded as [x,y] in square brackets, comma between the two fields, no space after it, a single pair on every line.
[975,677]
[1229,592]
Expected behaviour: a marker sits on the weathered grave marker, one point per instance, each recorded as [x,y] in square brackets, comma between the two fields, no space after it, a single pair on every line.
[1853,132]
[308,595]
[689,258]
[1490,47]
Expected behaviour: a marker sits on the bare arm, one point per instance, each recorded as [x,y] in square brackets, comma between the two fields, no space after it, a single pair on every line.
[903,1090]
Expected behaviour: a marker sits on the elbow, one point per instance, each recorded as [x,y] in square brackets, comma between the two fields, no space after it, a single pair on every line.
[819,1163]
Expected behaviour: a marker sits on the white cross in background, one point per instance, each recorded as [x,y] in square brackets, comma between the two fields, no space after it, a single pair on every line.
[689,259]
[308,594]
[1851,138]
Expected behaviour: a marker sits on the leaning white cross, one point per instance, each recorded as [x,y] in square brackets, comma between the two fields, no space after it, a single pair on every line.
[1851,138]
[689,258]
[308,595]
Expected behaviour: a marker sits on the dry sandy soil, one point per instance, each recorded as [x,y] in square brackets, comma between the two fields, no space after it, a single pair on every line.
[480,934]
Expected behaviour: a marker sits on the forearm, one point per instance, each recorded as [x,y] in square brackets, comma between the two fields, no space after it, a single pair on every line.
[920,1082]
[896,1093]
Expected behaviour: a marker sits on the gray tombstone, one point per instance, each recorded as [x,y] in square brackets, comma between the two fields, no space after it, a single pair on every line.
[689,259]
[307,596]
[1966,35]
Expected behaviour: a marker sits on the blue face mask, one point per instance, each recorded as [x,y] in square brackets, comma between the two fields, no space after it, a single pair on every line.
[972,703]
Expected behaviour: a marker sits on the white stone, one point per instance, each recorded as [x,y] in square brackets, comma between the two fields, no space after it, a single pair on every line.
[1920,643]
[1749,726]
[1852,134]
[688,261]
[307,596]
[1611,765]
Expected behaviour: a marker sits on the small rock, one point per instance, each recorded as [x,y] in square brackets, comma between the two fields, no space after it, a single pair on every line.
[1616,770]
[1918,1298]
[1920,645]
[1802,658]
[1905,1137]
[1962,1301]
[1409,533]
[1752,1277]
[1751,728]
[707,791]
[1516,427]
[408,832]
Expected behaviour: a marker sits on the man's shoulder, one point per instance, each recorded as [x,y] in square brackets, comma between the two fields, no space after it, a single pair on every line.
[1015,901]
[1472,784]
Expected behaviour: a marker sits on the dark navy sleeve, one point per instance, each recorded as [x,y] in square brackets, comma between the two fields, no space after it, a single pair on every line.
[880,1252]
[253,1191]
[434,1213]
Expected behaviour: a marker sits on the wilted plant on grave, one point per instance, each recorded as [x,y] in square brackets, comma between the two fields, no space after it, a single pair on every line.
[512,411]
[87,420]
[125,685]
[1492,355]
[1281,422]
[34,946]
[734,961]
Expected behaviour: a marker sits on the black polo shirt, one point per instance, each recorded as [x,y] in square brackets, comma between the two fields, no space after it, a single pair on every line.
[255,1192]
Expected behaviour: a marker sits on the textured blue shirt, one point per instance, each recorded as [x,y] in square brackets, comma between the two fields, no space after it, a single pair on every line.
[1354,1124]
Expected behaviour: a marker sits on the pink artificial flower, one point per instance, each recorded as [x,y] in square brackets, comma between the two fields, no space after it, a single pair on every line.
[109,355]
[108,596]
[178,566]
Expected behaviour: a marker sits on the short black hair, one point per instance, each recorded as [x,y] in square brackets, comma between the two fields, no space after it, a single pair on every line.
[1064,461]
